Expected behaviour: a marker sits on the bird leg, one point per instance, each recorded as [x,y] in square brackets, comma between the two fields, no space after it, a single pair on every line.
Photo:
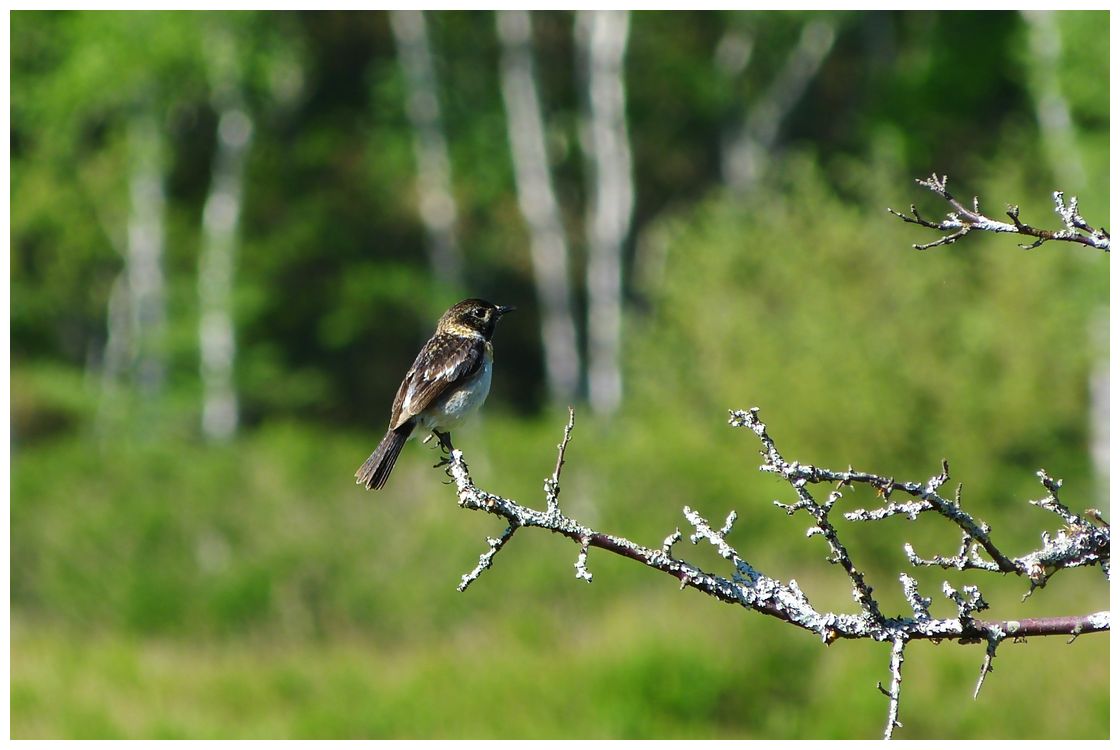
[444,441]
[445,446]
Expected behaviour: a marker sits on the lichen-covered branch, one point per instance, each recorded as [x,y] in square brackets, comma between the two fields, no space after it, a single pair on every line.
[895,692]
[1080,542]
[962,220]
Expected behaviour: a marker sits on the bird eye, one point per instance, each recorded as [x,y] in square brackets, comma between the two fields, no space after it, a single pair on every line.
[479,313]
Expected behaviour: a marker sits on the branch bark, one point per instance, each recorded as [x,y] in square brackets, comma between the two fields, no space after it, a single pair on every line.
[1084,543]
[963,220]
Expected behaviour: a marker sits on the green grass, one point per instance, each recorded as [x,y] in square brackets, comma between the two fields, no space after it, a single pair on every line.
[660,665]
[646,667]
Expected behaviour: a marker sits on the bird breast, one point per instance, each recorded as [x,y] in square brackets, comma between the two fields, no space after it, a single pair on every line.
[463,400]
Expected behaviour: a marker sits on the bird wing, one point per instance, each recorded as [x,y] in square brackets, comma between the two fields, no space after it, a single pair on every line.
[444,362]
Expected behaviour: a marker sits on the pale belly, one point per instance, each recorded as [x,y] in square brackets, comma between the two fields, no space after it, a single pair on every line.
[461,402]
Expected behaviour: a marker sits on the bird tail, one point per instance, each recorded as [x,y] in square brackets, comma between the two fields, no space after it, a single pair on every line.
[375,471]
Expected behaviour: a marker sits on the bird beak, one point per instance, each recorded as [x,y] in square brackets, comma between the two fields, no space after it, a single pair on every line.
[503,309]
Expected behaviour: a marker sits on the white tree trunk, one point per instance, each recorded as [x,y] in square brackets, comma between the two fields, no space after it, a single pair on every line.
[220,218]
[436,200]
[117,355]
[143,269]
[548,245]
[1058,139]
[1099,413]
[749,150]
[601,37]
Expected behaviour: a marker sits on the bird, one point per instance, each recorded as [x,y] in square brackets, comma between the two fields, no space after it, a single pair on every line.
[449,379]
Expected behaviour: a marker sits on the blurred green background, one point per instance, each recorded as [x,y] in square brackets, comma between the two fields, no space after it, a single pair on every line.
[173,581]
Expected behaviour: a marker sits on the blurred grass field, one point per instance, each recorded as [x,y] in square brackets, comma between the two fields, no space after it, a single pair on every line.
[654,665]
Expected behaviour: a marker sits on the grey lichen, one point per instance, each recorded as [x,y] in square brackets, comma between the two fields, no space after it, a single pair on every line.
[962,220]
[1079,543]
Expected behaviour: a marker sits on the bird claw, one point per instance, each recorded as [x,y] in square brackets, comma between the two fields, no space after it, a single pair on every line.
[444,441]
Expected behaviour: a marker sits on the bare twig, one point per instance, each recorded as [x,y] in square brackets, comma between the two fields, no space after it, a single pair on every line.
[918,603]
[1079,543]
[895,692]
[963,220]
[582,572]
[986,666]
[486,559]
[552,484]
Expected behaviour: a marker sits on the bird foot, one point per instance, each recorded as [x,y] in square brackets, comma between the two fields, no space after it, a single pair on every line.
[444,441]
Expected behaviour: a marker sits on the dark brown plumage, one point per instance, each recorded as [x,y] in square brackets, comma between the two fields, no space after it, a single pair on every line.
[449,379]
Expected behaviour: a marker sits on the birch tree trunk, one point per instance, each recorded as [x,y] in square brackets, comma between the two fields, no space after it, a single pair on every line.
[1059,142]
[749,150]
[220,219]
[136,313]
[113,361]
[601,37]
[142,340]
[548,245]
[117,354]
[1099,412]
[436,200]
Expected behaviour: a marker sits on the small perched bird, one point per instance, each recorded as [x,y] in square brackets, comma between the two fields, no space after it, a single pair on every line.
[449,379]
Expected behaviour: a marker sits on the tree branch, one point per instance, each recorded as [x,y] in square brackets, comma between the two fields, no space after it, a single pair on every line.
[963,220]
[895,692]
[1078,543]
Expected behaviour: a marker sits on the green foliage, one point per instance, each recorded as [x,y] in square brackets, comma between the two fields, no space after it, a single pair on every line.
[331,245]
[49,400]
[816,310]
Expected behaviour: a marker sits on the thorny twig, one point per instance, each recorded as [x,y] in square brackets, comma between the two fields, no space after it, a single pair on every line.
[552,484]
[895,692]
[962,220]
[986,666]
[1078,543]
[486,559]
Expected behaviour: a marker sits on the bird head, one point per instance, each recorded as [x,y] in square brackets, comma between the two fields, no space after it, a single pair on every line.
[472,317]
